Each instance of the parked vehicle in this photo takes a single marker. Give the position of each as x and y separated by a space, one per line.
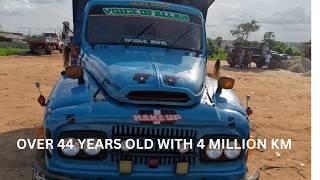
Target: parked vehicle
47 42
278 56
141 73
257 56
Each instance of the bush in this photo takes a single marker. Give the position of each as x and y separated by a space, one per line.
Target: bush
11 51
14 45
222 55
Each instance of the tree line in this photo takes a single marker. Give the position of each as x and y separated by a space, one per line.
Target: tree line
241 33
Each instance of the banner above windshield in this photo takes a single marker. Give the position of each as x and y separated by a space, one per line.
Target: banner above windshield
146 13
101 10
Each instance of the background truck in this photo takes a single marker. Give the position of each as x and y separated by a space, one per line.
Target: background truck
47 42
141 73
258 56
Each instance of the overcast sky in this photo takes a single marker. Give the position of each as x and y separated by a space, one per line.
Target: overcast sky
289 19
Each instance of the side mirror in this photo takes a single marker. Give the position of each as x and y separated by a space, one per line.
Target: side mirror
225 83
42 100
74 72
249 111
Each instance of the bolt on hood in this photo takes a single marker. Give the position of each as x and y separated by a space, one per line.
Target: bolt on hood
123 71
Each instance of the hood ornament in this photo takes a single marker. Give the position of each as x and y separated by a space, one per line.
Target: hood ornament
141 78
170 80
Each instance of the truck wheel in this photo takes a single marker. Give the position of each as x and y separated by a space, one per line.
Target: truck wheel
49 51
260 63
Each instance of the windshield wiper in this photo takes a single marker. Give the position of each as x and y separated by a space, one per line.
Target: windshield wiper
142 32
182 36
145 29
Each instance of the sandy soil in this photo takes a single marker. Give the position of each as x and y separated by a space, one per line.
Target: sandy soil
280 99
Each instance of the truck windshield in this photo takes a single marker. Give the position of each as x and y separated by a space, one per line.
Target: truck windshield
51 35
146 27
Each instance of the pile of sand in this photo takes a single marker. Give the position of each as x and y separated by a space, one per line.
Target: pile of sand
297 64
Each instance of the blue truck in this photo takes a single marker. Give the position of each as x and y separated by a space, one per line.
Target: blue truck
139 71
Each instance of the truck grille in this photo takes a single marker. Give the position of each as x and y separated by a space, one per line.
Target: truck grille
164 156
158 96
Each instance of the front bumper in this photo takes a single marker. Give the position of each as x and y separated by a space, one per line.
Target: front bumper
40 173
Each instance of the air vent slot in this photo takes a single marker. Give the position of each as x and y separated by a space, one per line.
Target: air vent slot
161 96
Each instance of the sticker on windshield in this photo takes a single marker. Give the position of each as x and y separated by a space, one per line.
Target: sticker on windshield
153 42
150 4
146 13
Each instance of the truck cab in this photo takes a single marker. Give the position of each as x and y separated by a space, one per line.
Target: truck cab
140 72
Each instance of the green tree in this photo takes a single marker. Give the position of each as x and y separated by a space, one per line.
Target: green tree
214 45
210 45
242 31
280 47
218 42
296 53
269 39
289 51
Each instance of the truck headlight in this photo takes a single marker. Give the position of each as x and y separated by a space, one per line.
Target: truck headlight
213 153
70 149
124 147
91 149
183 149
232 152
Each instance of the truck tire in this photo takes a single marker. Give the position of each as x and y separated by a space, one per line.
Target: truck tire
49 51
260 62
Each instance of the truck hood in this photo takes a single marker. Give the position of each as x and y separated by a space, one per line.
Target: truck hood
71 99
142 75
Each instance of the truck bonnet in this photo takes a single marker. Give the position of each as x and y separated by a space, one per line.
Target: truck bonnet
147 75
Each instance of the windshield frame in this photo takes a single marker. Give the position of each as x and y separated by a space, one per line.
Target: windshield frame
201 25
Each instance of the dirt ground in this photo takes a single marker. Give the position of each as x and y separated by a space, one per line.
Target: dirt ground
280 100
